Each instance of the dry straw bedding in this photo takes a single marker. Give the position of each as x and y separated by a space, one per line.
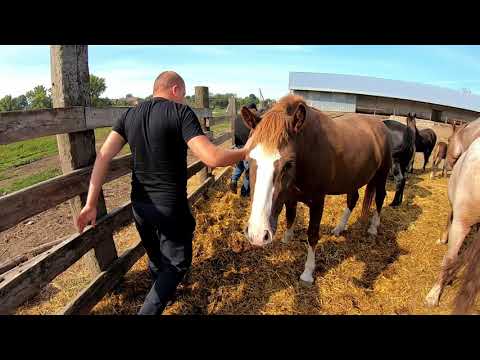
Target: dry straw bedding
354 275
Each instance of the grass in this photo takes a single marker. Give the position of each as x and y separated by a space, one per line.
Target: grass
29 181
25 152
219 112
29 151
221 127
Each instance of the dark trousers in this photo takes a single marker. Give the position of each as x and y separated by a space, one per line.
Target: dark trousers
167 234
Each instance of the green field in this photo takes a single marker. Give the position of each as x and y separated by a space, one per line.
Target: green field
25 152
23 182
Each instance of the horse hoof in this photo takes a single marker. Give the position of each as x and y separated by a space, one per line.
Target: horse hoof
306 279
337 231
307 284
441 241
433 297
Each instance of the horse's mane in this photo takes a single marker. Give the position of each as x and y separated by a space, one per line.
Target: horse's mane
272 131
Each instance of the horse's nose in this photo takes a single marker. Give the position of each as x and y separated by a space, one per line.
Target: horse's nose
267 236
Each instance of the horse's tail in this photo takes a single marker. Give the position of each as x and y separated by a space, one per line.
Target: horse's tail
471 278
368 198
436 152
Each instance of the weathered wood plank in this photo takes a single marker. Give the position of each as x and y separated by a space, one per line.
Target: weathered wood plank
30 201
222 138
24 125
105 117
71 87
103 283
219 119
27 279
232 112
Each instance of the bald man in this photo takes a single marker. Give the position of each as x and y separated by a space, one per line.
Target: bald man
159 132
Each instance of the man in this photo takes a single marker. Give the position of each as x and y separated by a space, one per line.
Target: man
241 136
158 132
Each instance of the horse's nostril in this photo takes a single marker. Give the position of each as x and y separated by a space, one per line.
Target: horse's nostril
266 236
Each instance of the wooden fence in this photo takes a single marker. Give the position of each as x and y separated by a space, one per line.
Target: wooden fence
23 280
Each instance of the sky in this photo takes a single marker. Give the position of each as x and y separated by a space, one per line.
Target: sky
244 69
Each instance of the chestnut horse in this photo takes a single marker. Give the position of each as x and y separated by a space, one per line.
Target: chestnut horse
460 140
439 154
300 154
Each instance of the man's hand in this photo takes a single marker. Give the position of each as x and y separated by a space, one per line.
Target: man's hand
87 215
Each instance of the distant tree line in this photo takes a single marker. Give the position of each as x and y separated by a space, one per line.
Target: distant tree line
41 98
221 100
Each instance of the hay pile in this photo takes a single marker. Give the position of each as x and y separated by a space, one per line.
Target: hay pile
391 275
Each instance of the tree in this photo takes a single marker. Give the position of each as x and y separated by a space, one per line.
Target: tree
38 98
21 102
97 88
7 103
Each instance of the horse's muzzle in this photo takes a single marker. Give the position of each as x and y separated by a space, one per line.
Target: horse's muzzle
262 239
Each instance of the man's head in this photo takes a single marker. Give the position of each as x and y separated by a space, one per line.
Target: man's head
171 86
252 106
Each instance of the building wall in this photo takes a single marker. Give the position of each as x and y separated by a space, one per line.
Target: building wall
400 107
327 101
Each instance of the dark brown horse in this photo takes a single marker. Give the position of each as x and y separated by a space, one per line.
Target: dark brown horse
403 152
460 140
300 154
439 154
425 141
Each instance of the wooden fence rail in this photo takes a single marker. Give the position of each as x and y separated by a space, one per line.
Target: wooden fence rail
23 125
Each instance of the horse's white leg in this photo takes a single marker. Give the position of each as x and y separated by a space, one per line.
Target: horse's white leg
342 225
375 222
307 275
456 236
316 211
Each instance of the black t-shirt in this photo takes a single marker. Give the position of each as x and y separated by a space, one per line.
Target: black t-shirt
241 132
157 131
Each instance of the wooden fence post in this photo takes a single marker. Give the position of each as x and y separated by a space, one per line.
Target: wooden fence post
70 87
202 101
232 112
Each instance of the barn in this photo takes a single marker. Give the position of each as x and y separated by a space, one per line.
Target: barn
363 94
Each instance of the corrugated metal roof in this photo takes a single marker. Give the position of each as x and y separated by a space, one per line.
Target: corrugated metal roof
365 85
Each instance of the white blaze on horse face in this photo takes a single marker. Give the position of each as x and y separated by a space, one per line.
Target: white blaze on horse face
259 221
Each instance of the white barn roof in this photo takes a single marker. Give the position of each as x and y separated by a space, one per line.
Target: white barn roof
365 85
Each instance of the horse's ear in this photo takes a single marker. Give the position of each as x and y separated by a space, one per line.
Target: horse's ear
250 119
298 118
